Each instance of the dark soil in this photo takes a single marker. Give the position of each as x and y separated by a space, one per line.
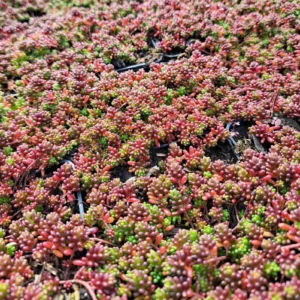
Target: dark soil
233 210
222 151
144 59
293 123
240 129
158 154
121 172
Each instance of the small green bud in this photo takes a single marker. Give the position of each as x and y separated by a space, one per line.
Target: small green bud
193 235
7 150
207 174
11 248
271 269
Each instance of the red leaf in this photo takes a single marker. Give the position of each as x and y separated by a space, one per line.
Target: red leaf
147 219
158 239
108 219
293 238
162 250
57 253
169 228
189 271
286 216
68 252
133 200
252 172
167 212
274 128
256 243
183 180
206 196
48 245
78 263
286 227
173 180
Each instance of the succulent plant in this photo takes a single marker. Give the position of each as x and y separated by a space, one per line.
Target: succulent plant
123 106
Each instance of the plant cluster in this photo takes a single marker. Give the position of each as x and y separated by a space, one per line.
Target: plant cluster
162 217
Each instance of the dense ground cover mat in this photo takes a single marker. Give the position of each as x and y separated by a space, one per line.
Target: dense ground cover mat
150 149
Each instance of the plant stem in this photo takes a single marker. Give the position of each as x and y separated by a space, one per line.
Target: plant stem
85 284
291 246
216 259
102 241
